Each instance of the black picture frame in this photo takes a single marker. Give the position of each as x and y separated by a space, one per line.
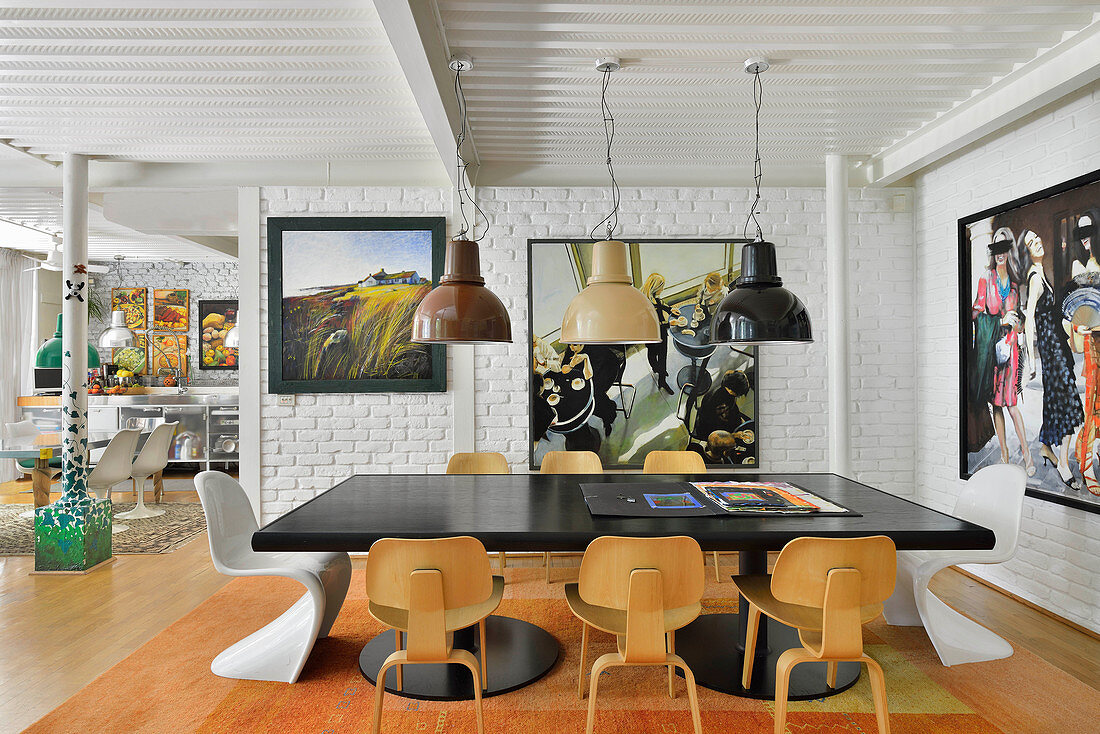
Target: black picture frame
965 335
206 307
276 227
732 242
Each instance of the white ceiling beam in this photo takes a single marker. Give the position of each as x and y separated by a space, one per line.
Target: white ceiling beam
1063 69
423 57
915 8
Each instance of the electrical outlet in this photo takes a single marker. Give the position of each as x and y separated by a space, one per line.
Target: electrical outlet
286 400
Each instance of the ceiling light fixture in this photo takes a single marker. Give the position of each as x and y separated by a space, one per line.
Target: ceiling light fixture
759 310
610 310
461 310
117 334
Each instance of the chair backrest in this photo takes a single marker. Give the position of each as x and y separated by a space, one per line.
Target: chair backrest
838 576
427 577
994 498
484 462
20 428
230 521
674 462
117 462
571 462
154 454
644 577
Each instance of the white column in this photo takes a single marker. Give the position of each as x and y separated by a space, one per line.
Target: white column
248 321
836 249
74 341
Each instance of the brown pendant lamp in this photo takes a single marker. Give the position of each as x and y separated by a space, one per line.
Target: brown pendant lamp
610 310
461 310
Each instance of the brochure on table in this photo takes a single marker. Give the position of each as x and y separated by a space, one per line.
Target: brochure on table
700 499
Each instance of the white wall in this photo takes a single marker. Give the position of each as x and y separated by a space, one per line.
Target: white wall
311 446
1058 563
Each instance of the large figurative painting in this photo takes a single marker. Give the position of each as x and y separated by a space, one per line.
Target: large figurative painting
341 295
1030 340
683 394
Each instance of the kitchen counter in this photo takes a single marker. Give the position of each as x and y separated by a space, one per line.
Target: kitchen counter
170 397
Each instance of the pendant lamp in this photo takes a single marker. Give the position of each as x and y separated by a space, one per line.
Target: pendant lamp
461 310
610 310
117 334
759 310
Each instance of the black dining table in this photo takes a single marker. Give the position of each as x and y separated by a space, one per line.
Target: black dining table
547 512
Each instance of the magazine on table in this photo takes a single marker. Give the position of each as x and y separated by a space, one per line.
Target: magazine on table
776 497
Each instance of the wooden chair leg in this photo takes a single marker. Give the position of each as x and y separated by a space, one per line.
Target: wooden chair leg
465 658
584 651
400 672
751 630
158 486
830 674
602 662
693 697
481 653
878 691
379 692
783 667
717 572
671 646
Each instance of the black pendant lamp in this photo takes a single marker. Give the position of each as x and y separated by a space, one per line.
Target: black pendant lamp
759 310
461 310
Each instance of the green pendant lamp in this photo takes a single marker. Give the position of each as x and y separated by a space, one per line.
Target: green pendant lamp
49 354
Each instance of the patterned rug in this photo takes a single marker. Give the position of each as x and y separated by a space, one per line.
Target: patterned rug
167 686
180 522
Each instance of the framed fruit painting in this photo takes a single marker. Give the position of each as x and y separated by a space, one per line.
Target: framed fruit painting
171 309
134 303
134 359
216 318
167 352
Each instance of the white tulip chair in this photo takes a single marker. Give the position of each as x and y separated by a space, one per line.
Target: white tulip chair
152 459
114 467
279 651
993 498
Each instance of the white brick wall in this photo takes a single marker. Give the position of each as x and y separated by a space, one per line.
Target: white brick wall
325 438
1057 565
793 381
206 281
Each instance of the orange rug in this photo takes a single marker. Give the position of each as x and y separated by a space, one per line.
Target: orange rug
167 686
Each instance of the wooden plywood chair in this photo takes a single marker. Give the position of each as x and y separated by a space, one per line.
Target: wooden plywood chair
425 590
641 590
678 462
827 588
480 462
568 462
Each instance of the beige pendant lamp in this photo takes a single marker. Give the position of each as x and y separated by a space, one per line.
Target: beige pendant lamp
610 310
461 310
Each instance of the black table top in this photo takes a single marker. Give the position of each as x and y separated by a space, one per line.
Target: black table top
547 512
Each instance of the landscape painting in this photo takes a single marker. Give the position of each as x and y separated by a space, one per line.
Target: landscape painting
342 292
134 303
171 309
1029 279
216 318
623 401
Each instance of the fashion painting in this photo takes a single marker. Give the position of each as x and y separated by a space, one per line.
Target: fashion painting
1030 341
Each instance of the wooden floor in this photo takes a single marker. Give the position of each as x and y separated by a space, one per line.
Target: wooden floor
58 633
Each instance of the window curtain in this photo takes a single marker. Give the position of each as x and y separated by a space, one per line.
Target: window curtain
18 339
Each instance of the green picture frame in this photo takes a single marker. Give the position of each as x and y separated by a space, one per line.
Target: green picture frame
299 359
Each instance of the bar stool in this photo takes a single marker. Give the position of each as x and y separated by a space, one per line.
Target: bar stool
480 462
568 462
425 590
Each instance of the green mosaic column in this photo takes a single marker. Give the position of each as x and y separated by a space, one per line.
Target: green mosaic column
74 533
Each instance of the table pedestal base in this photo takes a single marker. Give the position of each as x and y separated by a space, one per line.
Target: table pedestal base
709 646
519 653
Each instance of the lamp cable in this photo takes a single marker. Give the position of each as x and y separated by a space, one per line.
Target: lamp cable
461 164
611 221
758 168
